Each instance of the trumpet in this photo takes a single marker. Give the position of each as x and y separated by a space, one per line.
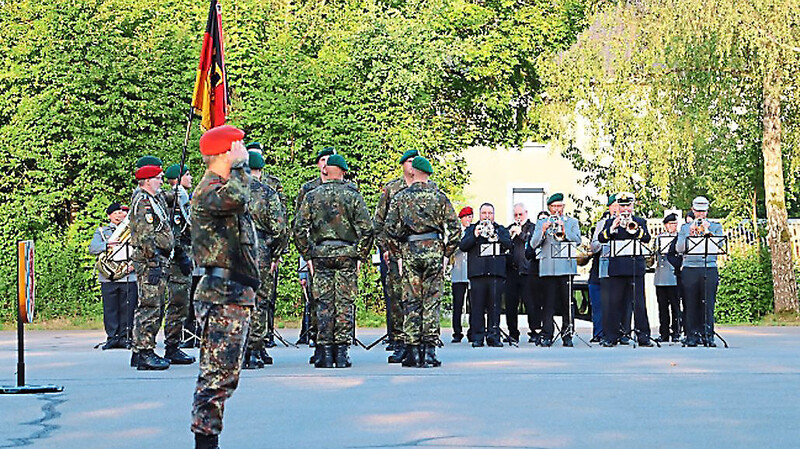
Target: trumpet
627 222
556 228
701 227
486 230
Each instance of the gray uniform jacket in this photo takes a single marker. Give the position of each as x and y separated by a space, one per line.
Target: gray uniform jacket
665 272
548 266
690 261
603 248
99 245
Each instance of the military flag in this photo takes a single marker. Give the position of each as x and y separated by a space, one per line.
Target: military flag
210 100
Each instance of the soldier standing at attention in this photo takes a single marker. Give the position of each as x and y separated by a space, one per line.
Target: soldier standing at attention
393 292
224 246
424 230
152 242
333 232
270 220
179 275
311 307
268 178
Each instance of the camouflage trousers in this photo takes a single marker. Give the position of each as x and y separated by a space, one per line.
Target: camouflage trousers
259 329
422 296
335 288
313 324
147 317
394 300
223 310
177 309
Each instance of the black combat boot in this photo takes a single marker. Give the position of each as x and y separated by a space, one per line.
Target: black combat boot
317 354
252 360
325 359
149 360
399 353
342 359
413 357
430 356
392 345
202 441
177 357
264 356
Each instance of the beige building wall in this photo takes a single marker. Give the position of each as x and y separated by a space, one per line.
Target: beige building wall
496 173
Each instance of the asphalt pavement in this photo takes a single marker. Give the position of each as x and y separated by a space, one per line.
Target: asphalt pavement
527 397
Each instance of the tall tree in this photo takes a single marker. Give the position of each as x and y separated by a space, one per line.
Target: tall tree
679 80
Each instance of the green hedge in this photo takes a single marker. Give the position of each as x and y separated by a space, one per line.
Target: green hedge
745 287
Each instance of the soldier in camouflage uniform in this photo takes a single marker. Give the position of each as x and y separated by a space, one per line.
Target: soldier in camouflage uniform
333 231
152 242
423 228
393 293
224 245
311 331
270 220
179 275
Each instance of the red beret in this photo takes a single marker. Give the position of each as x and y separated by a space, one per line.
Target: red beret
148 171
218 140
464 212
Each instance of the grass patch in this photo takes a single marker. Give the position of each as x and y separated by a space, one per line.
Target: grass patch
781 319
59 324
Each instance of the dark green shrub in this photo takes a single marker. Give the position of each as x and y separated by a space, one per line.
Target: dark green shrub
745 287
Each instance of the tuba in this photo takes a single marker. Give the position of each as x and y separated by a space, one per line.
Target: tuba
113 263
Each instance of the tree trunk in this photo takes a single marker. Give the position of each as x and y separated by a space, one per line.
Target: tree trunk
778 239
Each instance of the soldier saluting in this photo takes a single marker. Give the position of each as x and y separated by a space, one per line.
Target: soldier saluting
424 230
224 245
333 232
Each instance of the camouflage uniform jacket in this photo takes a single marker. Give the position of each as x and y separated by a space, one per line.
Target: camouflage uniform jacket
422 208
151 235
333 221
391 189
269 217
223 233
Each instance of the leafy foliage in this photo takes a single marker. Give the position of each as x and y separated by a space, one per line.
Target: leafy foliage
90 87
745 287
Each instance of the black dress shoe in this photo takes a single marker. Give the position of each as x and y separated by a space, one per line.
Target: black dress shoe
567 341
545 342
134 359
646 343
457 338
711 344
534 339
607 344
149 360
625 340
676 338
477 343
177 357
596 339
661 339
111 343
494 343
690 342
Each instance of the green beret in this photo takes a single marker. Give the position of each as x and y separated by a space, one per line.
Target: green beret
408 154
148 160
172 171
254 146
556 197
612 199
327 151
422 164
337 160
256 161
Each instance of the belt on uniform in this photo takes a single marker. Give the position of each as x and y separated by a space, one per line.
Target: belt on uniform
224 273
334 243
425 236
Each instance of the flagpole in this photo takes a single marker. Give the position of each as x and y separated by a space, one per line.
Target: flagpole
189 117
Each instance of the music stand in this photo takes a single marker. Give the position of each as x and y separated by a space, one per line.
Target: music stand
570 251
632 248
707 245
